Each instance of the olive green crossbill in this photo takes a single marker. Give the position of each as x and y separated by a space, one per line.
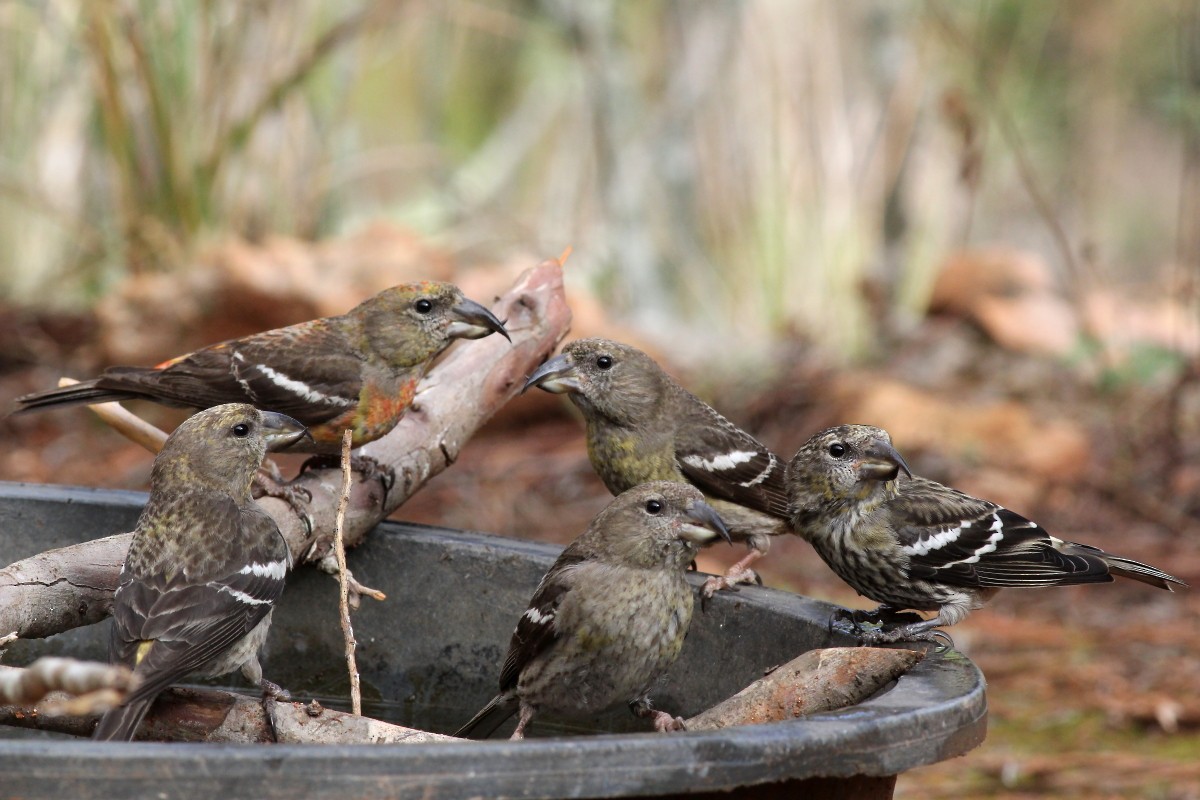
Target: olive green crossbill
611 614
206 565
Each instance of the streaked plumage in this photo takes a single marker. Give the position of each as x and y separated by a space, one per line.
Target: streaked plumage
206 564
643 426
358 370
610 616
911 543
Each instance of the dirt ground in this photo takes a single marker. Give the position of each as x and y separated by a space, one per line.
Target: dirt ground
1092 690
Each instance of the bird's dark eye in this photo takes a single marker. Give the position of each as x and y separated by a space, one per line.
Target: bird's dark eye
653 507
241 430
423 306
837 449
604 362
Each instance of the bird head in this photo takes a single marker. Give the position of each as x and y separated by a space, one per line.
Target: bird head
607 378
411 323
223 446
849 462
657 525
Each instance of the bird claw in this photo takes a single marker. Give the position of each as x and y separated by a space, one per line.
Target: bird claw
888 626
663 722
729 581
913 632
273 691
666 723
366 466
374 468
941 639
846 621
296 497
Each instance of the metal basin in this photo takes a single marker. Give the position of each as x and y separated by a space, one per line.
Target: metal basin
430 657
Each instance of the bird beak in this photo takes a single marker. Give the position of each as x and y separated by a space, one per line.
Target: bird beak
557 376
474 322
705 525
281 431
881 462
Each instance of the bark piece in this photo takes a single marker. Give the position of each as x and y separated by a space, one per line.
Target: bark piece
819 680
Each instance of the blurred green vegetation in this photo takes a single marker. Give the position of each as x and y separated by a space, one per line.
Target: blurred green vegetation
734 169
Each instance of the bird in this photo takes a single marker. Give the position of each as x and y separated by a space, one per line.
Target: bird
358 370
610 615
643 426
206 564
908 542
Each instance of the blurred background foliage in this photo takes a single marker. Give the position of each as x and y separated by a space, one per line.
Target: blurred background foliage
734 170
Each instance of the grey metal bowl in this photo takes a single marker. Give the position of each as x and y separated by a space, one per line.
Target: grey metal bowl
429 657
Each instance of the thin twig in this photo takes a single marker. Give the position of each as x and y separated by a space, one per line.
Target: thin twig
329 565
126 423
339 547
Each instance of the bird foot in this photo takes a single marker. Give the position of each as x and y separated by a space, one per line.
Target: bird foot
369 468
666 723
848 622
297 497
888 626
663 722
912 632
730 581
273 691
852 621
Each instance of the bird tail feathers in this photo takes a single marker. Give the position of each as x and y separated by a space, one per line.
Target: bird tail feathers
1127 567
75 394
489 718
120 724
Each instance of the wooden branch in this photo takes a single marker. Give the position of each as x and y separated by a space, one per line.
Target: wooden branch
819 680
63 589
297 723
211 715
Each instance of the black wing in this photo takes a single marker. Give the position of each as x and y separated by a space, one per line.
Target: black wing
536 631
953 538
724 461
189 623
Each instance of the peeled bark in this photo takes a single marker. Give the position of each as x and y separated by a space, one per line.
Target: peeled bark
819 680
